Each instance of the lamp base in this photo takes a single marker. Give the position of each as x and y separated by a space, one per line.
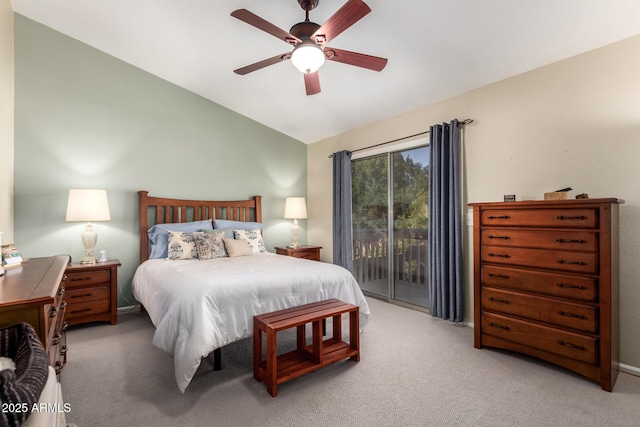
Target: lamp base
88 260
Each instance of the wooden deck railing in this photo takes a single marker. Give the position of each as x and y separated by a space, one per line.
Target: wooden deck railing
371 255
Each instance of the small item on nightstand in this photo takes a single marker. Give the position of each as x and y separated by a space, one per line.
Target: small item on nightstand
582 196
509 197
103 256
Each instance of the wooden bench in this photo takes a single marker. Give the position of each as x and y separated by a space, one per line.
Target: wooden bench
305 358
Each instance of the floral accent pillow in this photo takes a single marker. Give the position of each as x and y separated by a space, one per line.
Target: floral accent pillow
182 245
253 237
210 245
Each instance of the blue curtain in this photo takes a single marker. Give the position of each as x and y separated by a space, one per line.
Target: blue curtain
445 223
342 229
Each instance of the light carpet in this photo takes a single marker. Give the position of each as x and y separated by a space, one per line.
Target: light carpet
414 371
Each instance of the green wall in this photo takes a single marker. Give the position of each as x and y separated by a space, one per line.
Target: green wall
84 119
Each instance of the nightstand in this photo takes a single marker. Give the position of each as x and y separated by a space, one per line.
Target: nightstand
304 251
92 292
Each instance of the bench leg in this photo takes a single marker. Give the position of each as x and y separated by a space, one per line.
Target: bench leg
271 377
257 351
354 333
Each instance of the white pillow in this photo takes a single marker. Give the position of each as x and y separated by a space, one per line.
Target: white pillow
254 237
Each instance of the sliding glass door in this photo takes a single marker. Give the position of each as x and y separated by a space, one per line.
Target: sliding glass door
390 212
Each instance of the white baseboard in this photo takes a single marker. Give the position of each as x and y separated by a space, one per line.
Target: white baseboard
633 370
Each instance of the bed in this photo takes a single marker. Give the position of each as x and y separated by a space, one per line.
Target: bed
200 305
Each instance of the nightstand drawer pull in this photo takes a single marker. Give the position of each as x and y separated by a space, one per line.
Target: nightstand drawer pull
503 301
502 255
79 279
568 344
499 276
81 311
496 325
577 316
565 285
88 294
561 217
562 261
571 241
499 237
499 217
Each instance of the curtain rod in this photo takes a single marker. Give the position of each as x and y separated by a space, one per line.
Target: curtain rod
464 122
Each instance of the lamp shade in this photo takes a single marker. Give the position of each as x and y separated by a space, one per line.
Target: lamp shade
295 208
88 205
307 58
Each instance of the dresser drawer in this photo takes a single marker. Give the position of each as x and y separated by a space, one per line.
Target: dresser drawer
581 262
564 314
82 278
88 308
583 241
75 296
559 285
567 218
568 344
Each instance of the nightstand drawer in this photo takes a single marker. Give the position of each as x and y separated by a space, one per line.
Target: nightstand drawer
308 254
75 296
88 308
81 278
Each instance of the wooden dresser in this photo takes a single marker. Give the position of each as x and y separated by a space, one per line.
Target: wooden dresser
34 293
92 292
546 282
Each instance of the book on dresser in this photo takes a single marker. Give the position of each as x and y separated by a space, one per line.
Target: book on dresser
546 282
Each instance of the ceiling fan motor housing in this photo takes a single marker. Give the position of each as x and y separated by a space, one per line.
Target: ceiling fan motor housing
304 30
308 4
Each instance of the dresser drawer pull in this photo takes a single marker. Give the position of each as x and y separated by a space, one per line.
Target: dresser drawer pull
80 311
568 344
500 237
80 279
499 217
562 261
495 325
561 217
577 316
570 241
500 276
53 311
502 255
88 294
565 285
503 301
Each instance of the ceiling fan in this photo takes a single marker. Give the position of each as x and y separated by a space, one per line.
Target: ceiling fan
309 40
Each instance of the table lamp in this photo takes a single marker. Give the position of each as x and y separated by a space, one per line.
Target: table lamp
88 205
295 208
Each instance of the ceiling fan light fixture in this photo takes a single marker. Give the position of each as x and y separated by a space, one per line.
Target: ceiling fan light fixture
308 58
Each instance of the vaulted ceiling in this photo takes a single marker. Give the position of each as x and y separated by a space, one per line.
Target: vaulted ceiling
436 49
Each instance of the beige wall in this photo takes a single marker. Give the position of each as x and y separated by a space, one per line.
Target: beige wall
572 123
6 121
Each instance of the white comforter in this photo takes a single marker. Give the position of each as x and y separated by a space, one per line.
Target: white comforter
198 306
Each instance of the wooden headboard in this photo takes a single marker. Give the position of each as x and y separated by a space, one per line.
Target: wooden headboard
159 210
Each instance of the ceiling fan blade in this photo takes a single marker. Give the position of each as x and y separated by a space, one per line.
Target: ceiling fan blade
312 83
266 26
261 64
346 16
358 59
